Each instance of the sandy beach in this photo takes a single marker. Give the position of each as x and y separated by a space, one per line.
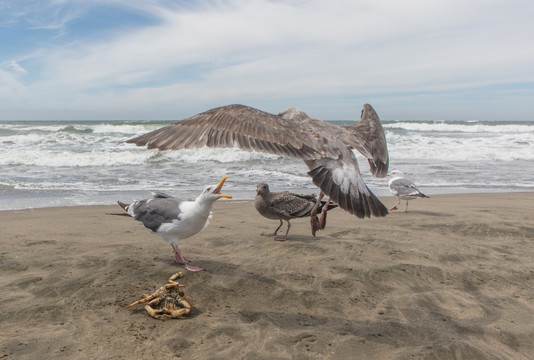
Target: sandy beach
451 279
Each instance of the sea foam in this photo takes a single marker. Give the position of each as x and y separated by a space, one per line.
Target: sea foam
76 163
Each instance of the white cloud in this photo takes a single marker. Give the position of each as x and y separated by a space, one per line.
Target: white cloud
255 50
8 84
14 66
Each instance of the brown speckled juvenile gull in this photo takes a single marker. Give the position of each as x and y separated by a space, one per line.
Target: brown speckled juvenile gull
325 148
286 206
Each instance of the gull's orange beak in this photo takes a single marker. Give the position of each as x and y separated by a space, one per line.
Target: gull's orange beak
219 187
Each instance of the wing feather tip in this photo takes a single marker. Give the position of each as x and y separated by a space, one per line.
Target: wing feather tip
358 204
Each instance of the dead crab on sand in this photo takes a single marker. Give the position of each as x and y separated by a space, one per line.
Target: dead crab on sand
169 300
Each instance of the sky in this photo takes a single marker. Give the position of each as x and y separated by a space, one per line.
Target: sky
168 60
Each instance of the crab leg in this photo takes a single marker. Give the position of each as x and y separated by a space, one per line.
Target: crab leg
173 285
176 313
185 304
158 292
153 312
175 276
147 297
180 312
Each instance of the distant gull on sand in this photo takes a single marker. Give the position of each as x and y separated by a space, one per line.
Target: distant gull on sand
287 206
326 148
174 219
403 188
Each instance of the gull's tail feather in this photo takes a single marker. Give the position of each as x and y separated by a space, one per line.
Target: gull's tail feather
123 205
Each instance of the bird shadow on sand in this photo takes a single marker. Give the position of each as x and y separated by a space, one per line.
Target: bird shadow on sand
296 238
420 212
219 268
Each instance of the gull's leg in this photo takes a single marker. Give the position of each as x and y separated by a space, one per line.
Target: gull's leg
395 206
284 238
178 257
275 232
406 206
322 221
315 223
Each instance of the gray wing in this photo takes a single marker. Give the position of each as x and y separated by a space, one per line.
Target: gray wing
370 141
339 176
341 180
403 187
156 211
291 205
242 126
161 195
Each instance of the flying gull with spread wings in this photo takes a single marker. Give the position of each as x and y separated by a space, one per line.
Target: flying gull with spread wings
325 148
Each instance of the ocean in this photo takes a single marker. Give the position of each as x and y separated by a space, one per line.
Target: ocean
62 163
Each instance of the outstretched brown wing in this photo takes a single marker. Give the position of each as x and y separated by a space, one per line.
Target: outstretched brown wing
371 141
237 125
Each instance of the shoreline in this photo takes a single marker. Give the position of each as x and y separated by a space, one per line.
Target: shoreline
453 277
250 197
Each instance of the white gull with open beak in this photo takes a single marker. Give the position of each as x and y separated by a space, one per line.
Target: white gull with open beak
174 219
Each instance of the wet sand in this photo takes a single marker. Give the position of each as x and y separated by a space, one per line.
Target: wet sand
451 279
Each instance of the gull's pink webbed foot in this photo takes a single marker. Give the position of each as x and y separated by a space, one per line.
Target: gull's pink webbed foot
193 268
275 232
180 259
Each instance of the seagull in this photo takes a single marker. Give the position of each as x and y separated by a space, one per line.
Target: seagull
326 148
403 188
174 219
286 206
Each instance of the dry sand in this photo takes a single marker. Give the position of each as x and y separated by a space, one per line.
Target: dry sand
451 279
